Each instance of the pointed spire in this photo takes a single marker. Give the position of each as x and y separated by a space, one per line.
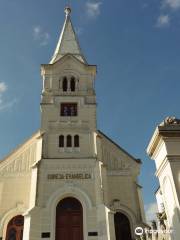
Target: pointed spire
68 42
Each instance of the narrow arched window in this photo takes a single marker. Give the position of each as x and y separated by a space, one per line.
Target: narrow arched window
61 141
69 141
65 84
76 141
73 84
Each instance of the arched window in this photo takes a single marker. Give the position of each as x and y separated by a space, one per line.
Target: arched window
65 84
61 141
76 141
73 84
69 141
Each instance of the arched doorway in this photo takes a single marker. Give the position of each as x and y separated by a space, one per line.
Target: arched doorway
69 220
15 228
122 227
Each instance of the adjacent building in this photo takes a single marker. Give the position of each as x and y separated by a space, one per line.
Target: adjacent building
164 148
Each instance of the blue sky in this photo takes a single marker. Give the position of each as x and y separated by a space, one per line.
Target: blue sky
135 45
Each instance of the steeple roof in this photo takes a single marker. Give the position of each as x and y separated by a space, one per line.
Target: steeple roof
68 42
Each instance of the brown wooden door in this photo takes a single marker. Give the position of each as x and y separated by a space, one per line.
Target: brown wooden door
15 228
122 227
69 220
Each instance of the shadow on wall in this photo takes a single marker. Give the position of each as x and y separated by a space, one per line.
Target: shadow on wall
176 224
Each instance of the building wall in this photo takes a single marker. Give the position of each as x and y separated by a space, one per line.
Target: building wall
122 177
167 173
51 191
16 191
164 149
160 202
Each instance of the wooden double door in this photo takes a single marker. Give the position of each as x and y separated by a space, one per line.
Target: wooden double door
15 228
69 220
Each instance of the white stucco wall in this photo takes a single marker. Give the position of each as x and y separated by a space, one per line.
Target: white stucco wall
16 181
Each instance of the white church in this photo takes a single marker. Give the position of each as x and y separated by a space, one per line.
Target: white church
69 181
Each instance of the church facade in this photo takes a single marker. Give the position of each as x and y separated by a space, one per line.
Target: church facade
69 181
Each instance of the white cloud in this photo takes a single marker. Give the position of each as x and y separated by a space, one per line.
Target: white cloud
163 20
3 87
151 210
93 8
5 105
41 36
174 4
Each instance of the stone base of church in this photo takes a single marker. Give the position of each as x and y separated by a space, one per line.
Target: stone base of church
98 224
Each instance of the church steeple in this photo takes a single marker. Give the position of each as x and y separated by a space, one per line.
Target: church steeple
68 102
68 42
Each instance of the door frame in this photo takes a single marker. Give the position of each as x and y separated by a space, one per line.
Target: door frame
129 213
59 195
80 212
130 225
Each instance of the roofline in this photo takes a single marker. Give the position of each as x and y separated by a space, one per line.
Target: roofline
61 38
152 142
138 185
159 188
69 54
35 135
135 159
160 132
77 40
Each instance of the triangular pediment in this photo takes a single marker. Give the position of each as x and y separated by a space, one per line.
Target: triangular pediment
69 58
115 158
69 62
21 160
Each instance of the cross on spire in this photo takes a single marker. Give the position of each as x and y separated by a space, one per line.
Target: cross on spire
67 11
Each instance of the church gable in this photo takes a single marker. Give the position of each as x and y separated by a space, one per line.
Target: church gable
115 158
21 160
69 61
67 68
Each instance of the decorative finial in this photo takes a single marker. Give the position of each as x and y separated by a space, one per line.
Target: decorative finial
67 11
170 121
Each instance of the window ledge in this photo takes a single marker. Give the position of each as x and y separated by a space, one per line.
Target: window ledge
77 149
69 149
61 149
